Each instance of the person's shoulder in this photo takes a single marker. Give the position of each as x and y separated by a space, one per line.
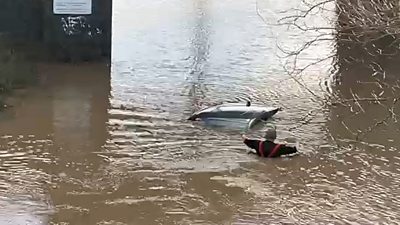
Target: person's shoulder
252 143
248 140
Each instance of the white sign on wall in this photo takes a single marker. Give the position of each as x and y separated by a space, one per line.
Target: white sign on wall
74 7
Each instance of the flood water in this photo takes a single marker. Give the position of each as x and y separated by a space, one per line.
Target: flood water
93 144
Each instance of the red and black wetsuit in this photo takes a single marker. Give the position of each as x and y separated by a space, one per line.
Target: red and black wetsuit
269 148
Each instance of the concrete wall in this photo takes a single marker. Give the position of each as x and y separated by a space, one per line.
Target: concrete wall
33 21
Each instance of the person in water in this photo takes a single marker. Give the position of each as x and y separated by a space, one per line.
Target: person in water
267 147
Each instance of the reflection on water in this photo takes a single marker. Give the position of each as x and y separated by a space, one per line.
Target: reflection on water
49 138
88 148
200 53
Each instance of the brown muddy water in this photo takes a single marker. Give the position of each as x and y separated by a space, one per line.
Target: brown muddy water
93 146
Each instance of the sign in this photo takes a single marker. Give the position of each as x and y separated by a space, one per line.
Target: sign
74 7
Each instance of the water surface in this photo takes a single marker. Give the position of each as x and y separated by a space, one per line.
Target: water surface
93 146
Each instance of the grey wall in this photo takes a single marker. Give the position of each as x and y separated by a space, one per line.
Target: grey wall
34 21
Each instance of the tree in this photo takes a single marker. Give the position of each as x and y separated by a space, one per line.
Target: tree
364 36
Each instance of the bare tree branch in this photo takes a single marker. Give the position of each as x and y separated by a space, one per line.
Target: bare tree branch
360 24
